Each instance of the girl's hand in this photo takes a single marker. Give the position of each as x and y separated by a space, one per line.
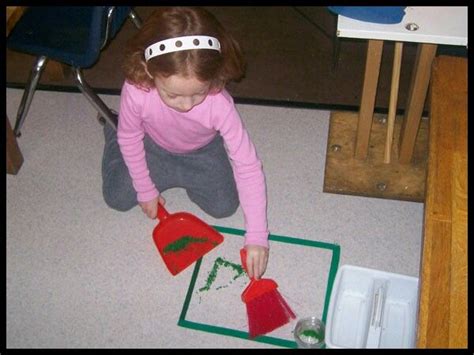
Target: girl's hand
257 258
150 208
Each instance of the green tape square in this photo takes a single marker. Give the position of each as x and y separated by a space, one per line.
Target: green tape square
235 284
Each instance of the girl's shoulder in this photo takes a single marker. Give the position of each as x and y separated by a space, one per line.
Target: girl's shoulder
222 98
136 94
135 89
135 98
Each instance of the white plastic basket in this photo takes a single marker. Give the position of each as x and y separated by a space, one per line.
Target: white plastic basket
372 309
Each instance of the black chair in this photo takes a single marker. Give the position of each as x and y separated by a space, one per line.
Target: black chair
71 35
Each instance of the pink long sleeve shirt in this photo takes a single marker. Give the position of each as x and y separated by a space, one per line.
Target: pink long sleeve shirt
144 112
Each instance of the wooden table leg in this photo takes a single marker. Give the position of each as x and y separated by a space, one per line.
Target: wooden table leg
366 112
392 107
14 156
416 100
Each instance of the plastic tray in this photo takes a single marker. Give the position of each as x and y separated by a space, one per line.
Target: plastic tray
372 309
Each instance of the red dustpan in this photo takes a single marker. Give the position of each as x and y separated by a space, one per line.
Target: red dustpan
182 238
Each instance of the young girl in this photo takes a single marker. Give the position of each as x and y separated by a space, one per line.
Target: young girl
178 127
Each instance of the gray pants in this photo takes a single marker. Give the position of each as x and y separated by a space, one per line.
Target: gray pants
205 174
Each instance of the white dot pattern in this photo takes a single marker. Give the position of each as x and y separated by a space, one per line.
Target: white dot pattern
180 44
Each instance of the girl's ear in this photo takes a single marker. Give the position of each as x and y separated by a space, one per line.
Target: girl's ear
146 69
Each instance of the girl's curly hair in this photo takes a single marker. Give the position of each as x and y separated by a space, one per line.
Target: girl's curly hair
206 65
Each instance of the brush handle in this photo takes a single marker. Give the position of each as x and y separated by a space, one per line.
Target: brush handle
255 288
243 260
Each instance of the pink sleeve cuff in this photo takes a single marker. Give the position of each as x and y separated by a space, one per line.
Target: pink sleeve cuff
257 238
147 196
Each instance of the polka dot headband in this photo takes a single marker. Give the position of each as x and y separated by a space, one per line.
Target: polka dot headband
181 44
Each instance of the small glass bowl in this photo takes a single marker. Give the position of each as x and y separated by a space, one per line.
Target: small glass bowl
309 333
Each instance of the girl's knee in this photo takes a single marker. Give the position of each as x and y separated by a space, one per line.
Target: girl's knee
118 202
224 210
118 194
219 207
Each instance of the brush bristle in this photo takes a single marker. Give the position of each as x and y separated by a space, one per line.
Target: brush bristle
267 313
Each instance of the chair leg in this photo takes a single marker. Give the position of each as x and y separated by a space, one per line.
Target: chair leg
94 99
135 19
28 93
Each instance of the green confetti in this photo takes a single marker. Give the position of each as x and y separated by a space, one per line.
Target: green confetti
310 333
310 336
182 243
218 263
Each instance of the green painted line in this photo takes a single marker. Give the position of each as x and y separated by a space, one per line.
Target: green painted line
229 230
281 238
331 277
235 333
189 294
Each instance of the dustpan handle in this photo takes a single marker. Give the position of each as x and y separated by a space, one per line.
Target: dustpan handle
162 213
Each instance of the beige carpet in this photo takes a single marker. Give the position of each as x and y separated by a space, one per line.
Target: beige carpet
80 275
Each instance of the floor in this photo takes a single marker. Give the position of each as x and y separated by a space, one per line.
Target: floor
80 275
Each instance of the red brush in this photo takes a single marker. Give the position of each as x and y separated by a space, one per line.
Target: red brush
267 310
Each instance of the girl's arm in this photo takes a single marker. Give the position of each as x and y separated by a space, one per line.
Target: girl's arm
249 176
130 136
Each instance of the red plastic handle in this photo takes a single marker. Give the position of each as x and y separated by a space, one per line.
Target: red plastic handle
243 258
255 288
162 213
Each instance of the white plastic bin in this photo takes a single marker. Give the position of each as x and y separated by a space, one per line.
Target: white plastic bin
372 309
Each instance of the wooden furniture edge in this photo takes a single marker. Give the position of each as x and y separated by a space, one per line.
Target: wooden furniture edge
442 317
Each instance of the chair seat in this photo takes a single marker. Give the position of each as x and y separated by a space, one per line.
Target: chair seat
61 33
